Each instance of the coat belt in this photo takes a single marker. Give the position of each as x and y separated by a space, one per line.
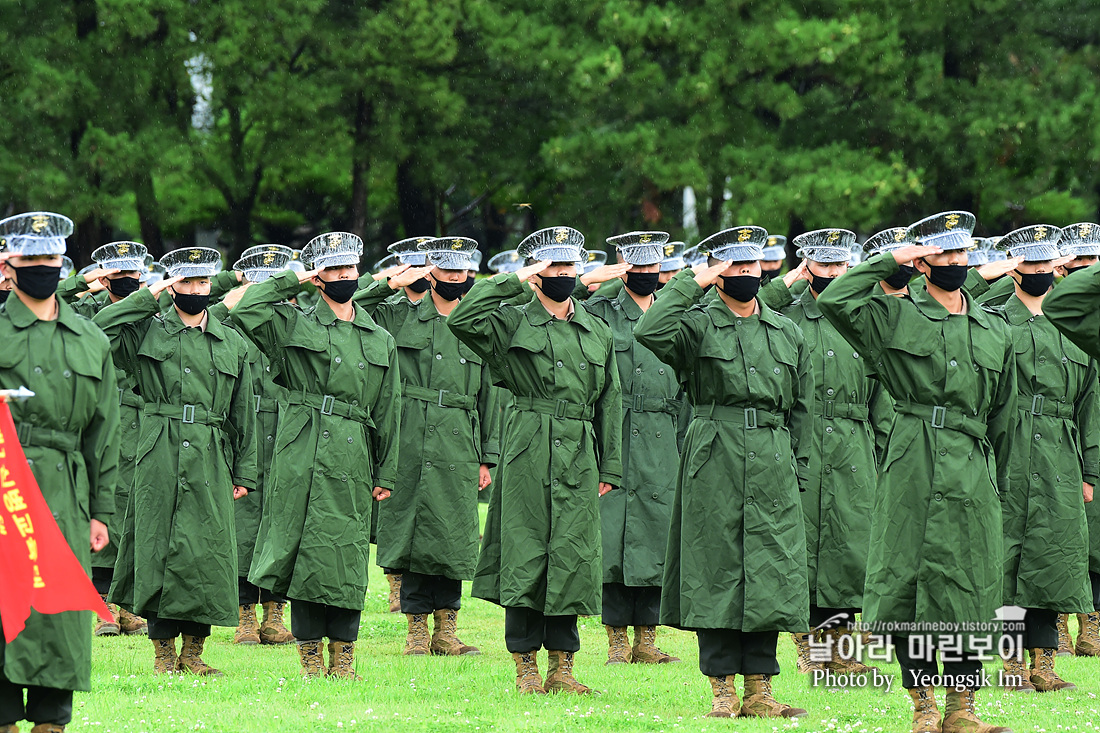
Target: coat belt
562 409
265 404
127 398
941 417
441 397
185 413
60 440
329 405
851 410
641 403
1039 405
748 417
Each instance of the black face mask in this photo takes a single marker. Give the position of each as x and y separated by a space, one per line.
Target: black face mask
420 286
4 296
449 291
1070 270
660 284
767 275
469 284
37 281
947 277
123 286
190 304
818 284
643 283
339 291
1036 284
902 277
558 288
741 288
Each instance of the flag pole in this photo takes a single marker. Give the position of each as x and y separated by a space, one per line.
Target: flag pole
15 395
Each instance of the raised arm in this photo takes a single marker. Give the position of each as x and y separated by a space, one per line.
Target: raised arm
663 329
262 314
1073 307
481 323
126 323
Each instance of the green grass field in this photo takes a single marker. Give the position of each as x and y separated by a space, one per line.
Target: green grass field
261 690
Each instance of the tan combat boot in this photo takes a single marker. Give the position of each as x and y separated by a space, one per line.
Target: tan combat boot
759 702
248 632
418 640
445 641
107 628
9 729
645 649
725 703
164 656
1042 672
273 630
805 664
1065 641
131 624
1088 635
1016 676
839 664
395 592
960 716
190 659
559 674
926 716
528 679
341 660
312 658
618 645
46 728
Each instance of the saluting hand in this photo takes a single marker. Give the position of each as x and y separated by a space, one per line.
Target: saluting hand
379 493
307 276
603 273
994 270
798 273
408 276
234 296
483 477
389 272
1059 264
524 273
93 275
161 285
914 252
239 492
707 275
99 537
605 488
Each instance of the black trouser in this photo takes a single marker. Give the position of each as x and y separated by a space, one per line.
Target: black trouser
726 651
315 621
629 605
247 593
1040 629
821 614
427 593
917 667
170 628
44 704
528 630
1095 578
101 579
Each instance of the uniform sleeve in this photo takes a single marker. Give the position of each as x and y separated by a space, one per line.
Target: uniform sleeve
100 445
801 417
997 294
882 419
71 287
386 414
663 329
126 323
373 295
242 414
481 323
262 313
776 295
975 285
222 283
486 406
1073 306
852 303
608 422
1003 414
1088 425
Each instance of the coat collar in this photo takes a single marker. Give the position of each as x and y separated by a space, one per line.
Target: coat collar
173 324
324 315
1016 312
537 315
627 304
809 305
931 308
21 316
721 315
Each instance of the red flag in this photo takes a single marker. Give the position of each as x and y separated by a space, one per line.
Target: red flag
37 567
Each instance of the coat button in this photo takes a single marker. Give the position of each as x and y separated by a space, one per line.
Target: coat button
451 467
211 372
776 370
828 468
855 354
38 370
454 431
634 432
349 440
431 428
830 391
324 434
267 368
752 455
1034 477
1064 360
829 429
186 444
630 493
752 370
270 438
775 502
854 469
559 364
749 500
661 371
1038 436
829 352
943 451
583 365
953 363
355 403
939 496
133 425
338 360
966 502
344 478
187 370
557 443
61 467
555 482
427 464
656 495
440 356
777 456
362 365
66 374
658 435
461 360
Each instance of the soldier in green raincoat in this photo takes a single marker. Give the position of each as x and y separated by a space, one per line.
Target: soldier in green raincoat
177 555
560 449
1054 464
936 527
634 521
735 568
69 432
336 447
775 253
428 530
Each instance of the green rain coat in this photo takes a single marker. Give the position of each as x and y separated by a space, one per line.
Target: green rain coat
634 519
561 438
1055 447
736 554
936 551
69 432
841 475
177 556
337 439
430 524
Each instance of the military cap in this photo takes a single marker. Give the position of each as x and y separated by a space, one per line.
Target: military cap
556 244
595 258
386 263
738 244
333 249
296 264
950 230
507 261
475 258
153 273
992 252
856 256
886 241
978 254
261 262
776 248
88 268
409 252
673 257
1080 240
1036 243
192 262
36 233
67 267
693 256
826 245
125 256
450 253
640 248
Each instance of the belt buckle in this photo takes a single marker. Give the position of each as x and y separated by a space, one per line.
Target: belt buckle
1037 404
829 409
188 414
441 393
257 398
639 403
327 403
560 410
120 396
750 418
939 416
